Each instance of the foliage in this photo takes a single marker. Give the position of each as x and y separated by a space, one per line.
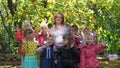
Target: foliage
101 16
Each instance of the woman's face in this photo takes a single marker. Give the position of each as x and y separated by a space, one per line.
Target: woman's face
58 19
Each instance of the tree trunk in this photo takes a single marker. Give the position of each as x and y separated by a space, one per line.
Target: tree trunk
11 7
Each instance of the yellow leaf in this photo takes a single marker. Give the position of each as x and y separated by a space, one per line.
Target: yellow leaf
44 20
91 27
79 25
65 14
48 13
92 20
74 1
10 21
98 30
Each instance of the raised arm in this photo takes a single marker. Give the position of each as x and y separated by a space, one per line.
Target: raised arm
100 48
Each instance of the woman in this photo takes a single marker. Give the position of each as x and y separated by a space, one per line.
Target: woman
58 31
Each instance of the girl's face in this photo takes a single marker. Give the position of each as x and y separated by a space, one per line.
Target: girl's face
26 27
86 31
17 29
58 19
72 31
31 36
50 41
89 40
44 29
65 41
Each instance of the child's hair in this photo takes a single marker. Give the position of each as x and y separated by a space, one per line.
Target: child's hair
90 34
69 37
49 36
27 32
86 28
75 28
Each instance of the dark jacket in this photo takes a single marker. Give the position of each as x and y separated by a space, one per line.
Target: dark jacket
68 55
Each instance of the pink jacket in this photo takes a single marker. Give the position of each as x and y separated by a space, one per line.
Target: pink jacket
88 55
41 39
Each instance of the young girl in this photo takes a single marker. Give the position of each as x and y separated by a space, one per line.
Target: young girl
42 36
89 53
68 52
46 60
19 36
29 47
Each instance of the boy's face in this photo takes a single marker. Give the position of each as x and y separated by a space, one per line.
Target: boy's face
50 41
65 41
72 31
90 39
44 29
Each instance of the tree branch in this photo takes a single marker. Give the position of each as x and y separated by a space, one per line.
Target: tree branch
3 21
11 7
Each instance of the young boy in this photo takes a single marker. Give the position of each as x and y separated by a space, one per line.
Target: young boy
77 40
68 52
77 37
47 54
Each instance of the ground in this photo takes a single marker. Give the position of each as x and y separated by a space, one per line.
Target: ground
104 63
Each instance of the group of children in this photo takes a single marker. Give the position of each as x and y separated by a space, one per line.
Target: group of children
77 51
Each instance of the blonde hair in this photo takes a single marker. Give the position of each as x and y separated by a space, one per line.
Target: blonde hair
27 32
27 23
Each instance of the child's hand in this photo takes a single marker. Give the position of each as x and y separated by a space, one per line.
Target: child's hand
103 43
43 46
56 61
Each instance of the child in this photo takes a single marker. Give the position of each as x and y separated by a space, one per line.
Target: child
19 36
42 36
77 40
46 60
29 47
68 52
89 53
77 37
86 31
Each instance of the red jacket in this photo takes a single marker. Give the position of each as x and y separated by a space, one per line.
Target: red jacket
19 37
88 55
